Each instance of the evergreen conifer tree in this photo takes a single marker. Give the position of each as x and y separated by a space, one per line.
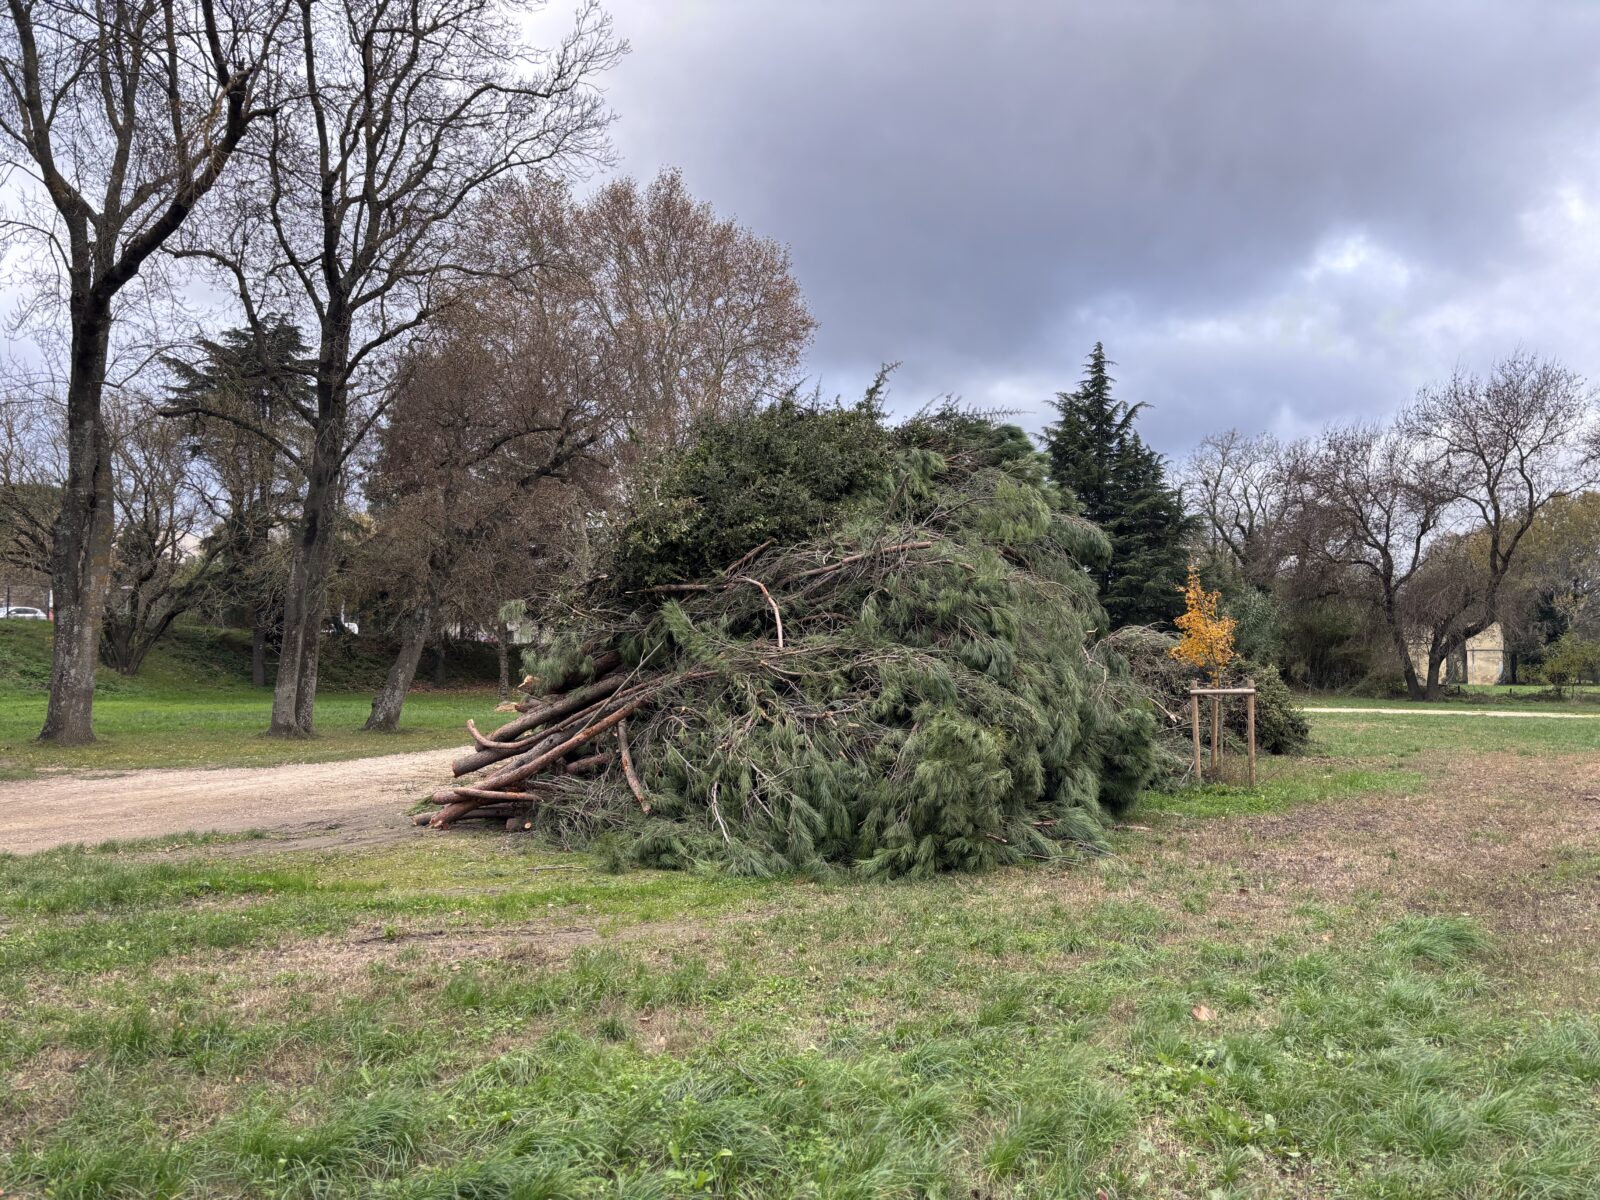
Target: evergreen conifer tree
1121 485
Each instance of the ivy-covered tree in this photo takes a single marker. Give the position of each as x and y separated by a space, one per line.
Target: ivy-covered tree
1121 485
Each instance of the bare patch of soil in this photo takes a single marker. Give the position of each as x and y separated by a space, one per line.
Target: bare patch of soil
308 805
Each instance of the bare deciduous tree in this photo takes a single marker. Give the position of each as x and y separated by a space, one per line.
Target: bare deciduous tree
1508 444
1237 484
32 465
1427 518
120 116
646 312
360 218
491 457
1366 507
701 315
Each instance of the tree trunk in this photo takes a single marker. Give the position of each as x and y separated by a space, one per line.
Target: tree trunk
81 559
1437 656
305 598
386 705
502 655
258 651
1414 689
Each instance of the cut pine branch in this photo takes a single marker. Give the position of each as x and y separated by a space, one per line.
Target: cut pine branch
500 781
628 773
565 705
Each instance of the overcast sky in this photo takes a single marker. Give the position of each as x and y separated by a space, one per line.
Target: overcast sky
1272 213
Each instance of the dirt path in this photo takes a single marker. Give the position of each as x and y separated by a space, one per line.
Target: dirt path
344 803
1457 712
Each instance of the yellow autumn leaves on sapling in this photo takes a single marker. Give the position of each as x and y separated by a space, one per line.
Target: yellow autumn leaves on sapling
1207 641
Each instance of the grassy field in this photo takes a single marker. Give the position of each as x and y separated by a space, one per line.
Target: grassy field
1374 976
192 705
1516 698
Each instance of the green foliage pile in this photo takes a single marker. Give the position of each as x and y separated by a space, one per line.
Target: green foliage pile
935 704
1281 728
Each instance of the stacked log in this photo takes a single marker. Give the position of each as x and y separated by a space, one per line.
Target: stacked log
564 733
571 729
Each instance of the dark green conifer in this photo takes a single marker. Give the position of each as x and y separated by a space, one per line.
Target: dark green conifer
1120 485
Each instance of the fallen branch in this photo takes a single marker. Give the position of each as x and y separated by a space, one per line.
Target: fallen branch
716 811
748 557
570 703
466 800
495 794
851 558
628 773
776 614
582 766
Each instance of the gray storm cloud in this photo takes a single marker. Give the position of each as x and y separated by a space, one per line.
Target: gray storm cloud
1272 214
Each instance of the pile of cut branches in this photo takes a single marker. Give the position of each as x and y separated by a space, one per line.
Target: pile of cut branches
891 670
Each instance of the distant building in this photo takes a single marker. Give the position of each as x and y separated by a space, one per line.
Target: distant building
1481 661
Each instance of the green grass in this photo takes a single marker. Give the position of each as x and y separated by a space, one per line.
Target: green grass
1283 784
1395 739
224 729
934 1039
1520 697
449 1017
192 705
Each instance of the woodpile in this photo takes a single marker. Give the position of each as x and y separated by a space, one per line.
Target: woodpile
575 730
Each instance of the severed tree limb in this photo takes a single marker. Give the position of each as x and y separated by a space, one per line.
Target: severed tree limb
534 746
483 758
483 742
564 706
582 766
628 773
497 750
484 812
748 557
492 794
777 615
672 587
505 778
716 811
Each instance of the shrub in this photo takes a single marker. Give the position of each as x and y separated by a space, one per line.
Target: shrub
1570 659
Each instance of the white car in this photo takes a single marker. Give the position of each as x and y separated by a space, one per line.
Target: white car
18 612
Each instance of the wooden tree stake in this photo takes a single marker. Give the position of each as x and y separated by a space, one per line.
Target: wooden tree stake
1250 727
1194 720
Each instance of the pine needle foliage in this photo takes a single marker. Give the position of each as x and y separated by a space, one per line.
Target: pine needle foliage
934 705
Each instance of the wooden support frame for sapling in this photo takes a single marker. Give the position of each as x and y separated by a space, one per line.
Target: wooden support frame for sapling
1215 694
